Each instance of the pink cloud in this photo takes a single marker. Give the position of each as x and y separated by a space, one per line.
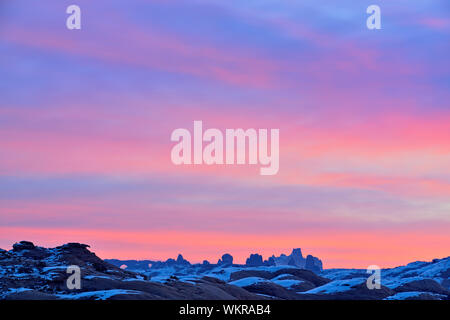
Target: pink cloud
435 23
154 51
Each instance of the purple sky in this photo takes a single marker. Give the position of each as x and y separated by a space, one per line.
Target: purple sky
364 118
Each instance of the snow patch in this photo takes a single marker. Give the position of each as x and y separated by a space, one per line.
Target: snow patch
248 281
97 295
337 286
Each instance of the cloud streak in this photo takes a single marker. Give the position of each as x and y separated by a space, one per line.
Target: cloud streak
86 117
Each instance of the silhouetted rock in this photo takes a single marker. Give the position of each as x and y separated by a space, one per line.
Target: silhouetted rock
292 262
181 261
269 262
297 256
227 259
73 245
254 260
132 265
296 259
23 245
312 264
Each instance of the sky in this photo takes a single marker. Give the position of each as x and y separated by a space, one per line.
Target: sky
364 117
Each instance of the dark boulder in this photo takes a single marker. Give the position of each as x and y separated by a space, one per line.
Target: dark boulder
227 259
23 245
425 285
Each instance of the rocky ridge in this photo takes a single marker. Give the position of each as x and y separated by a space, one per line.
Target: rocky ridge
32 272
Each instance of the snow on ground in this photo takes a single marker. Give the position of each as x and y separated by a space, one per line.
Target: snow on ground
395 277
430 270
45 269
393 283
410 294
434 270
337 286
287 283
12 291
224 273
90 277
283 276
247 281
160 279
339 274
97 295
134 279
